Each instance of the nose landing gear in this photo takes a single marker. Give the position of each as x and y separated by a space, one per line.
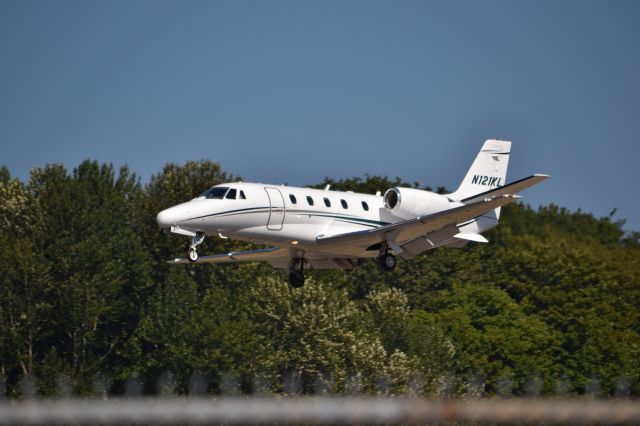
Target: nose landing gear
296 272
192 252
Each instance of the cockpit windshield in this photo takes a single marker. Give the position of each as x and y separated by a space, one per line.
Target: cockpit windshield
217 192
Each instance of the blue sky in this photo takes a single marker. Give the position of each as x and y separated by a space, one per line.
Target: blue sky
280 91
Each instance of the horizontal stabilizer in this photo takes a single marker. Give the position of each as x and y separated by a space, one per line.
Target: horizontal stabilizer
478 238
510 188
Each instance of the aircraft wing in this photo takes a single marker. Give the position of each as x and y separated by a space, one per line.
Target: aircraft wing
278 257
405 231
267 254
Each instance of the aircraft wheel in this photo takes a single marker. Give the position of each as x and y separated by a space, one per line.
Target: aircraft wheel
296 279
192 254
387 262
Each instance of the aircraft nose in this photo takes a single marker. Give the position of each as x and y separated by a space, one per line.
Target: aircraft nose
167 218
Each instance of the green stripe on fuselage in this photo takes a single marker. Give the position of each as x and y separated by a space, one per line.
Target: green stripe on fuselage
344 218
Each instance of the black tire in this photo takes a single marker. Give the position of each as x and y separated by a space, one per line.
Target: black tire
298 265
296 279
387 262
192 255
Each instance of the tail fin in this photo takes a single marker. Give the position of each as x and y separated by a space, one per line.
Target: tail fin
488 171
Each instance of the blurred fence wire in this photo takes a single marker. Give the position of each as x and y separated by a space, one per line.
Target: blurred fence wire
199 398
319 410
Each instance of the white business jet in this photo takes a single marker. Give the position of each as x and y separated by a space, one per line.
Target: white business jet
322 229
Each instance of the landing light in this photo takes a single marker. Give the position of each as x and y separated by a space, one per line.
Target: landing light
294 242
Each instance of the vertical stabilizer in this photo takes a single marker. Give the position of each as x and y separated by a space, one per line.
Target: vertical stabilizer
488 171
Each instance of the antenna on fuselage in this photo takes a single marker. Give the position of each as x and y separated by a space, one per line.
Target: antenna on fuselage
326 188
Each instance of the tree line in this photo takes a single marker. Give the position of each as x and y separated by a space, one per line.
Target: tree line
549 306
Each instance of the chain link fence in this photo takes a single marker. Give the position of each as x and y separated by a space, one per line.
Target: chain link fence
202 400
319 410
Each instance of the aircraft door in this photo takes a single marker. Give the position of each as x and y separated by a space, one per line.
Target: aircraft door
276 209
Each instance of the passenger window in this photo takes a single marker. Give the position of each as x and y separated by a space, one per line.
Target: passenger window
309 200
242 195
231 195
365 206
344 204
327 202
293 199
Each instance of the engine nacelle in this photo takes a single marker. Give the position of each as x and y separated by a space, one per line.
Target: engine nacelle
409 203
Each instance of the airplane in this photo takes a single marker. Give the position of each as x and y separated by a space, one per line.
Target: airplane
323 229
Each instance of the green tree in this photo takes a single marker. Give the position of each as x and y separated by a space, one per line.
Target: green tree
99 271
588 293
85 288
317 333
25 288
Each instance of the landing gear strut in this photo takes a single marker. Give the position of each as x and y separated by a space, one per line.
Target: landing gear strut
296 272
192 252
386 260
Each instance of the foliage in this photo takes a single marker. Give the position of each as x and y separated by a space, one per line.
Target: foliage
550 305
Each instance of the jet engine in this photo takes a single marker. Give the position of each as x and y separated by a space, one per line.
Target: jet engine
409 203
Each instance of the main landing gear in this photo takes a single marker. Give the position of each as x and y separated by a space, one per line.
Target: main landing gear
296 272
192 252
386 260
